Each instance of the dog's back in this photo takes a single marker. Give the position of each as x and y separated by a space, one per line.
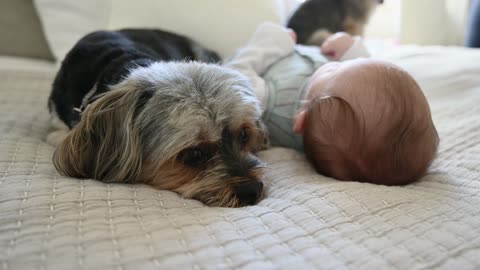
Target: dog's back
103 58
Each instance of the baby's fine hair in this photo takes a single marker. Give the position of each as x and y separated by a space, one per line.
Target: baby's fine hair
389 140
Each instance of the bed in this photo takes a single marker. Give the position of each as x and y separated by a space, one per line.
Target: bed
306 221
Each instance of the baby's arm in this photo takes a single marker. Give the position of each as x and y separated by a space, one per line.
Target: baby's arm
341 47
268 44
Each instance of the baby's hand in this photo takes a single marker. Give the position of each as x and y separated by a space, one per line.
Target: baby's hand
337 45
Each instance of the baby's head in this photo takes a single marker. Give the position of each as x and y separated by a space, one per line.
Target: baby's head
367 121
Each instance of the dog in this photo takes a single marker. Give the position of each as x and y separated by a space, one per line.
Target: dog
315 20
141 108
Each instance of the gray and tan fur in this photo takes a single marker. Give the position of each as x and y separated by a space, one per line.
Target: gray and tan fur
189 127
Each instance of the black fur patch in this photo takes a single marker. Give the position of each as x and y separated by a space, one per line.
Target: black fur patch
328 15
104 58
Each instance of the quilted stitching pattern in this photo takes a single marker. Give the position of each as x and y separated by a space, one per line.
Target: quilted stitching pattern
306 221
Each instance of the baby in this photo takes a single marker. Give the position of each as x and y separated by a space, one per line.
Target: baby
358 119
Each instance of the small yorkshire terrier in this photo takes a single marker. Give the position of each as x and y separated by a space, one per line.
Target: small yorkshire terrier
315 20
188 127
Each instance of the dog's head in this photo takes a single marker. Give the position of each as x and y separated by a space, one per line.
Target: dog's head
187 127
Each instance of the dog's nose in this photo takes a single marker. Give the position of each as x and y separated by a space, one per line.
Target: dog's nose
248 193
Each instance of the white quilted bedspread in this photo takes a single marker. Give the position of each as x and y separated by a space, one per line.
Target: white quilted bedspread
307 221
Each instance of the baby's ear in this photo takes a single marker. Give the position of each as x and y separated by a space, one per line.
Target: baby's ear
299 122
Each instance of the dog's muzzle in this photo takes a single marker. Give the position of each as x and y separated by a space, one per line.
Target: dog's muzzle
249 193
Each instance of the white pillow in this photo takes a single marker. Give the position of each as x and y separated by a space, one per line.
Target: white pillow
66 21
221 25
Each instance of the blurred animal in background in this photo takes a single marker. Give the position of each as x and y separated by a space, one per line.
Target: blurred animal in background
315 20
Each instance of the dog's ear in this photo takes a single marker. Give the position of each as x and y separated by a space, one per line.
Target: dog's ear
105 145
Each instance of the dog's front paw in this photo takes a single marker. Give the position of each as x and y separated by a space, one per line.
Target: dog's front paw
56 137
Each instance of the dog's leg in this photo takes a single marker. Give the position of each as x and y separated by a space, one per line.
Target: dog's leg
353 26
318 37
58 131
55 137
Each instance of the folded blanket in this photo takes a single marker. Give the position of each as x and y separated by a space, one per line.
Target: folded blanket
306 221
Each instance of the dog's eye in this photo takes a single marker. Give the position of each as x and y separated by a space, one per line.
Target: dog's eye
194 157
244 136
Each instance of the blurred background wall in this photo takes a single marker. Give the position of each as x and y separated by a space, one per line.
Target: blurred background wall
423 22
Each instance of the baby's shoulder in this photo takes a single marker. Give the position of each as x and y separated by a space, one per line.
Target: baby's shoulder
311 52
304 61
